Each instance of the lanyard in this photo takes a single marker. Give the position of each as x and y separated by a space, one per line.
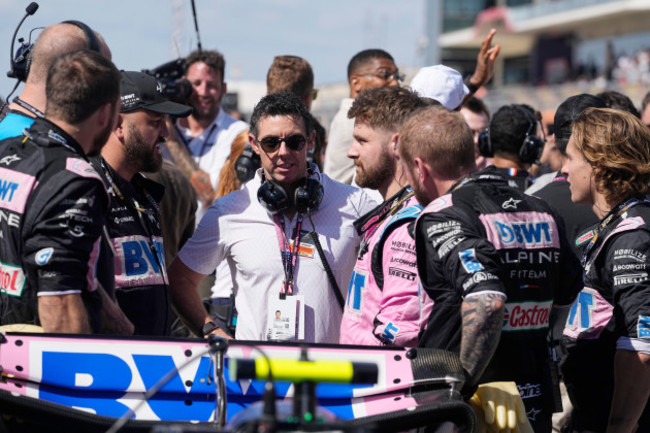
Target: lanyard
35 111
205 140
288 252
139 210
371 227
613 215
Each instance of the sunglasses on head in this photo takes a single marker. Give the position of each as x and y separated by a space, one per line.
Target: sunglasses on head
293 142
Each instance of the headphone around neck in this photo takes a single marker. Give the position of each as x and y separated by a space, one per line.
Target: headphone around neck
23 60
529 151
307 196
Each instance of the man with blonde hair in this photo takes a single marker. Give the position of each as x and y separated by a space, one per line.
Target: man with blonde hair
493 260
607 335
291 74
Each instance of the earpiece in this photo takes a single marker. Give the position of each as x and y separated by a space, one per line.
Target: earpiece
20 64
484 143
529 151
23 60
273 197
247 164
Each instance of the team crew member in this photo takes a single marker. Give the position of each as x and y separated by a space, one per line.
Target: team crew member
133 222
607 335
383 304
267 233
493 260
53 202
53 42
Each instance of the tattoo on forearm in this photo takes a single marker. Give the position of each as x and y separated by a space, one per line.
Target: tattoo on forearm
482 321
199 179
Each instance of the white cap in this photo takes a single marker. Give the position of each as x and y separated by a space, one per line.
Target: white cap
441 83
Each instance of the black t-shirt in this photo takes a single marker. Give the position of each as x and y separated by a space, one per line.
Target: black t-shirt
133 224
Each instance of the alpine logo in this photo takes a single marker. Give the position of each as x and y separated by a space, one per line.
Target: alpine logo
525 316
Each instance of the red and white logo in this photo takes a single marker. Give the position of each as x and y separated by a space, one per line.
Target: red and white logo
524 316
12 279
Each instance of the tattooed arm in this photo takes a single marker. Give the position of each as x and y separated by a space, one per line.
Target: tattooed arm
482 321
199 179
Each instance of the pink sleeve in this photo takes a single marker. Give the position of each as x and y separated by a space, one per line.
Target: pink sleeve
399 315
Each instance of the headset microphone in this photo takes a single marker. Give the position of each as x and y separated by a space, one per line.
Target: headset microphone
18 66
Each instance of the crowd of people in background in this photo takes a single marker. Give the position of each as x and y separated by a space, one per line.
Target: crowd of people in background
490 235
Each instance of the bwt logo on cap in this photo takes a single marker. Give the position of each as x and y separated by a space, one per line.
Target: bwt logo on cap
130 100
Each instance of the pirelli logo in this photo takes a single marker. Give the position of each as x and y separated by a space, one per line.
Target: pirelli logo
401 273
622 280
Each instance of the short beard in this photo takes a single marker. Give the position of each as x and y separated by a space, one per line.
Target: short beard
141 154
206 115
100 140
421 196
374 178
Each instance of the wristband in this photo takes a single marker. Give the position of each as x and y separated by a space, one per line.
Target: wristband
208 328
473 88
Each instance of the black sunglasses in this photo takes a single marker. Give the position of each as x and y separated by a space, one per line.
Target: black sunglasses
293 142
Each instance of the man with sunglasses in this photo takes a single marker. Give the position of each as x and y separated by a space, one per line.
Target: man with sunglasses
368 69
270 232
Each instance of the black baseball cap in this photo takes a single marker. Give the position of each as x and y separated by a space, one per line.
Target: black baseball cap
140 91
567 112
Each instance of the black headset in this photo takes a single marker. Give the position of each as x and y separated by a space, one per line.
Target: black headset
531 148
307 196
247 164
21 63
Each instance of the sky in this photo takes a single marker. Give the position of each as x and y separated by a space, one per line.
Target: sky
248 32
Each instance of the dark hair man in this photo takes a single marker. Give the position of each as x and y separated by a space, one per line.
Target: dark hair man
141 286
367 69
607 335
291 74
477 116
55 41
512 141
286 74
618 101
200 144
493 260
53 202
383 304
645 111
577 217
270 233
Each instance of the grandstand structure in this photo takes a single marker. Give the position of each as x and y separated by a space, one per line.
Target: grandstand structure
550 49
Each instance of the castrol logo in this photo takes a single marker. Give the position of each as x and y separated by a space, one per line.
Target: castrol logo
524 316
